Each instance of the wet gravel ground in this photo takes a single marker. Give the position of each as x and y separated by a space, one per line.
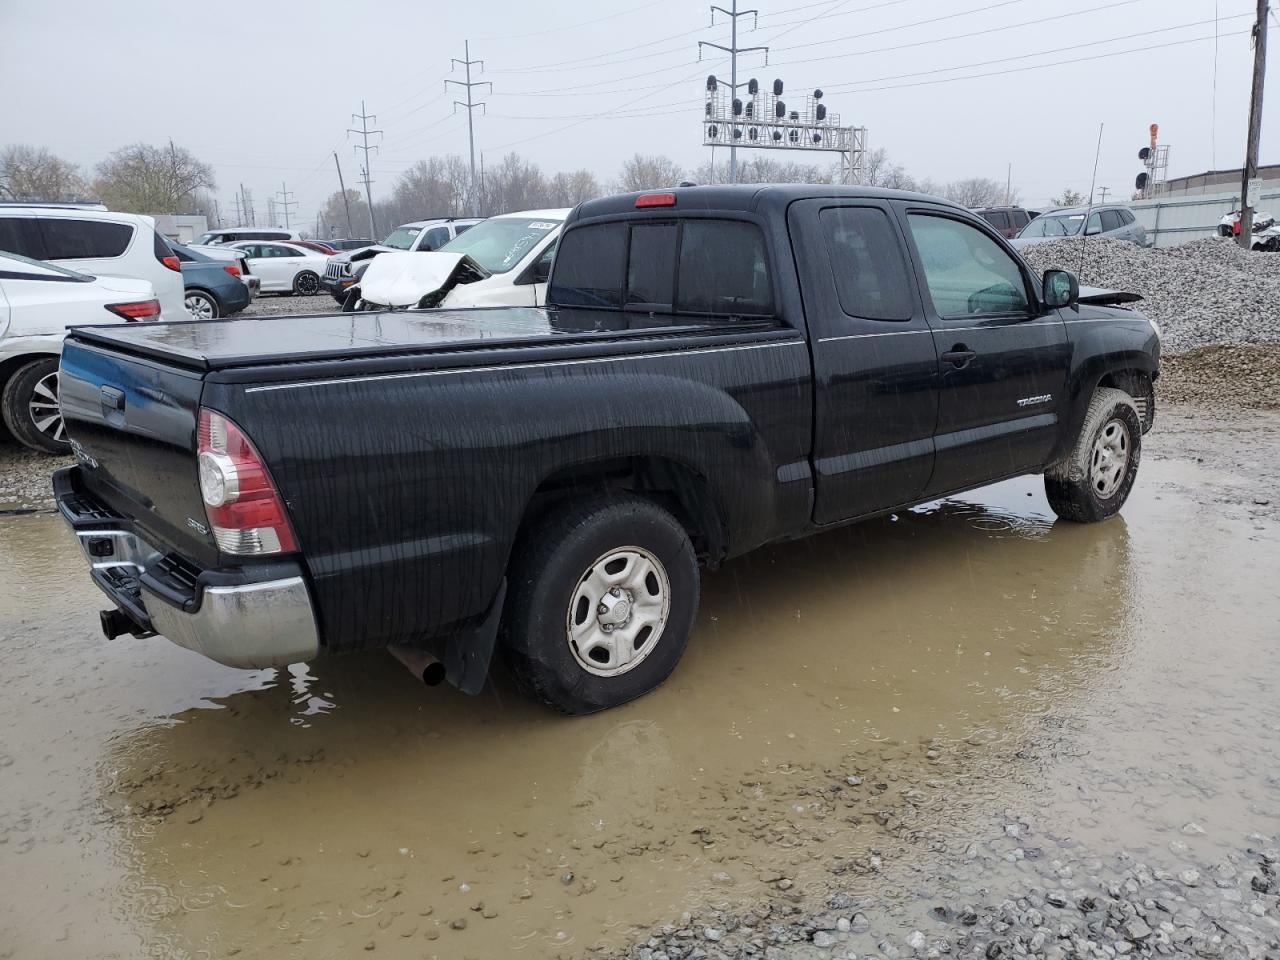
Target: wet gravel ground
966 731
277 305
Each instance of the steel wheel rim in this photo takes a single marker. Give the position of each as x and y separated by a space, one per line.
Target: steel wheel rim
1109 459
618 611
44 410
200 306
307 284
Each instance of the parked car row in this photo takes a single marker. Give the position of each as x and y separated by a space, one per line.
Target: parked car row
1114 221
343 270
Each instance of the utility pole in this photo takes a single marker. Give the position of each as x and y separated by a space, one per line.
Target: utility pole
1255 125
246 207
239 221
364 132
733 50
346 202
284 193
1104 191
470 105
1008 187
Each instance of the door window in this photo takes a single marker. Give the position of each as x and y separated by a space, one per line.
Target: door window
270 250
18 235
1111 220
871 277
437 237
997 218
66 239
1094 225
967 273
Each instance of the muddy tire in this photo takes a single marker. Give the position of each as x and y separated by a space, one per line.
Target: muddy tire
1094 480
30 407
601 598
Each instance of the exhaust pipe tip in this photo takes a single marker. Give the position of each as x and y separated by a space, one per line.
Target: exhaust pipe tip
421 664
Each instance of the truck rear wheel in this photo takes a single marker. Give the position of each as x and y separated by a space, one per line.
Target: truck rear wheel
30 407
601 599
1094 480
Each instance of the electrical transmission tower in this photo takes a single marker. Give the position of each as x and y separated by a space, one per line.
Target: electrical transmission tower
365 133
733 50
246 207
470 105
272 219
284 193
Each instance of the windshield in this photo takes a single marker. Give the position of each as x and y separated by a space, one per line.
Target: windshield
1064 226
500 244
401 238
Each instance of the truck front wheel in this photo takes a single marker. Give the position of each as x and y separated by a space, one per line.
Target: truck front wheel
601 599
1094 480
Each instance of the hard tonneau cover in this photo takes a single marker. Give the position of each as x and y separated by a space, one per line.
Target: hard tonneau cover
257 341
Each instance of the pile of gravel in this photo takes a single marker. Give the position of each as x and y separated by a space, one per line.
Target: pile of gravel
1204 292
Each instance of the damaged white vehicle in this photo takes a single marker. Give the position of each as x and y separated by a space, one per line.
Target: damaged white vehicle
503 262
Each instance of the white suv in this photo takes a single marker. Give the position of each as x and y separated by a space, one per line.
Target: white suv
38 302
231 235
99 243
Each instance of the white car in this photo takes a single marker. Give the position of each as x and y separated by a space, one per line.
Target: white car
99 243
38 302
514 252
284 267
234 234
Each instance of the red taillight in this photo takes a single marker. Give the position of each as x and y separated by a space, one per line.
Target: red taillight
245 511
232 269
138 310
656 200
173 263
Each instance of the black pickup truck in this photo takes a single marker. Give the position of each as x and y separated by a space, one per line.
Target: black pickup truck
718 368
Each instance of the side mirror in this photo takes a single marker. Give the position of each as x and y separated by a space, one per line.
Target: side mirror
1061 289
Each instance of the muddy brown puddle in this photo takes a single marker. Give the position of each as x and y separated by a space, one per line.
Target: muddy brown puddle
955 660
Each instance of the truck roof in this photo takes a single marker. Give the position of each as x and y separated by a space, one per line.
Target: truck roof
746 196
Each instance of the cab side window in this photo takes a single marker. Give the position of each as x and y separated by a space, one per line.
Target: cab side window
967 273
871 276
436 238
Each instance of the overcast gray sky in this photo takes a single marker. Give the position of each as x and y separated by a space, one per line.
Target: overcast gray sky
264 90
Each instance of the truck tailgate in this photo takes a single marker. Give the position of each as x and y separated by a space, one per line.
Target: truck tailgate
132 422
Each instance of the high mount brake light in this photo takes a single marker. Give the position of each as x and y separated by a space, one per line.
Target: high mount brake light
137 310
655 200
244 508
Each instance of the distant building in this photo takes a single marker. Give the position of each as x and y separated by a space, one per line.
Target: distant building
1218 181
180 227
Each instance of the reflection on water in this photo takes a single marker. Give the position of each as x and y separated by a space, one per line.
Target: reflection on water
875 685
350 790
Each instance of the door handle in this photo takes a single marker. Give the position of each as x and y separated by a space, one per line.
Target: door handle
959 355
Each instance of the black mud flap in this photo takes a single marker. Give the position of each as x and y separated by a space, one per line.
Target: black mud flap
466 656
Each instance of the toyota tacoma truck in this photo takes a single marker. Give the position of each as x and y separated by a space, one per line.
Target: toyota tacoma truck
716 368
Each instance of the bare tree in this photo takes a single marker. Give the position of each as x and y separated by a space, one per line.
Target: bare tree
571 189
974 192
645 172
765 170
1068 198
142 178
333 217
33 173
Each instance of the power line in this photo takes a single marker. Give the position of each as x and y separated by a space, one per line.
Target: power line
469 105
1025 56
575 26
364 132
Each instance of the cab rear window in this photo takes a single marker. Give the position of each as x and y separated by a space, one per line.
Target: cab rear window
693 266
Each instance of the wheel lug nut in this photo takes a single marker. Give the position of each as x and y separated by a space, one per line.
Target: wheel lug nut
602 609
615 592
